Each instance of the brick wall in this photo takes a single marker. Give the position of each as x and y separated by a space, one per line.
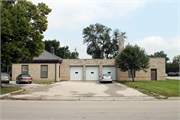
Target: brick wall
155 63
34 70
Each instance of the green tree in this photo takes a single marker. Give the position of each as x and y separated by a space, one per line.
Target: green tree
132 58
100 44
176 59
175 64
50 43
22 27
160 54
62 52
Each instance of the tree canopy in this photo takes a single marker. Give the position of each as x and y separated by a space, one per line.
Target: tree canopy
100 44
22 27
132 58
176 59
160 54
62 52
174 66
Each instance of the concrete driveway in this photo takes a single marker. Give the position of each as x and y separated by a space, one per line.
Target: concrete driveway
81 89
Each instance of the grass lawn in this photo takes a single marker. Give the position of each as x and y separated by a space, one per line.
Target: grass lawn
5 90
44 82
167 88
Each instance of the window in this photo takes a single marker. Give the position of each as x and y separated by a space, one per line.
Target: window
44 71
76 72
24 69
92 72
109 72
130 75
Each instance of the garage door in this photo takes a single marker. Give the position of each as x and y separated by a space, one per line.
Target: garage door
92 73
111 71
76 73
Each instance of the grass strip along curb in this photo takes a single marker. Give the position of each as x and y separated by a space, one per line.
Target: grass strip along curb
5 90
157 89
14 92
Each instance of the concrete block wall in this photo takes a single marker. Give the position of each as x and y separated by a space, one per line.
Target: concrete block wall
155 63
34 70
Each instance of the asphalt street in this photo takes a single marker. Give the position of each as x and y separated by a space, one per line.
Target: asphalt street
89 110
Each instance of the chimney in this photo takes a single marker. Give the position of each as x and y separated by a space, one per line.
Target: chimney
121 43
52 50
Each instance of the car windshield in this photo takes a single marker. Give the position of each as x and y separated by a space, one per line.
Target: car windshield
106 75
26 76
4 75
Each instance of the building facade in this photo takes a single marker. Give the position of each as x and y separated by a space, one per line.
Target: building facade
49 67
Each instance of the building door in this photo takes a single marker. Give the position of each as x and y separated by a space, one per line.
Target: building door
153 74
92 73
76 73
110 70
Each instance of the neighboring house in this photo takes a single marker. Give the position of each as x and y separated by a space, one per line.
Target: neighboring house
50 67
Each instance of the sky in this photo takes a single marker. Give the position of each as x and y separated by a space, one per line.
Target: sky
151 24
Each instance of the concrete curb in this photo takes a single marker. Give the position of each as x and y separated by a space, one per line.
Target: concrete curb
174 98
83 98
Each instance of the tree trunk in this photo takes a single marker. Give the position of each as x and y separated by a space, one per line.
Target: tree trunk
132 75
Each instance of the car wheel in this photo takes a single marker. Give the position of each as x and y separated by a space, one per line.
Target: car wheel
7 81
18 82
30 82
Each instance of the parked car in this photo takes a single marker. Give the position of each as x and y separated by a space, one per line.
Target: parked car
171 74
4 77
105 77
24 78
177 73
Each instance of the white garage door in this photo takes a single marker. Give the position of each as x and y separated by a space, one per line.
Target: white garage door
76 73
92 73
111 71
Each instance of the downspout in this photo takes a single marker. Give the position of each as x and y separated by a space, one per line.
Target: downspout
55 72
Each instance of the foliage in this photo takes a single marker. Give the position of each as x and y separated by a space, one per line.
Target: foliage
168 88
100 44
62 52
174 66
160 54
132 58
22 27
50 43
176 59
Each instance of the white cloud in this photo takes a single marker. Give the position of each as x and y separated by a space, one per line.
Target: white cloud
75 14
157 43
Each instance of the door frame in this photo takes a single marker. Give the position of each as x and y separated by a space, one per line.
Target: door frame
155 74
